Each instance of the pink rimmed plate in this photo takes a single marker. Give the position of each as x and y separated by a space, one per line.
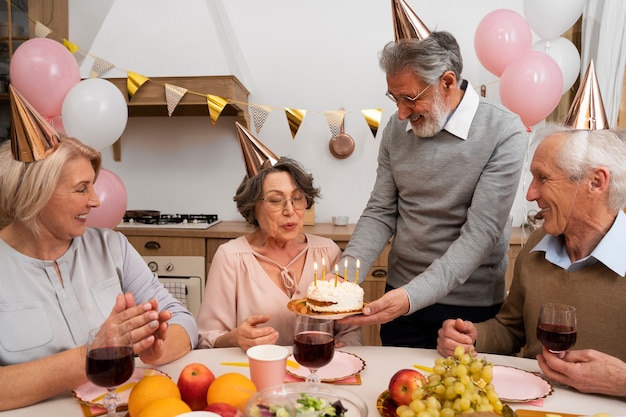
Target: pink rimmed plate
342 366
518 385
299 307
93 395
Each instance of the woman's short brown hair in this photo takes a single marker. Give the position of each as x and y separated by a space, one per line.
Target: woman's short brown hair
250 191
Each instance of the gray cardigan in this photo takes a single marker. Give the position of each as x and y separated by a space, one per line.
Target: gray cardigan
446 201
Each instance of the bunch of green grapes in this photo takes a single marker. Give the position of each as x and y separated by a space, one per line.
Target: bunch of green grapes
459 384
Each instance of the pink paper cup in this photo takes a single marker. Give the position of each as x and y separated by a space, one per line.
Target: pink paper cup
268 364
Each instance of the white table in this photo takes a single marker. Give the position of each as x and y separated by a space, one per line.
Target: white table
381 364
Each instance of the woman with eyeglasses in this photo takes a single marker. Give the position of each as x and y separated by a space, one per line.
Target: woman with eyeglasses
253 278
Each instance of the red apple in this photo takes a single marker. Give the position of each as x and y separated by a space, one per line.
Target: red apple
403 383
223 409
193 383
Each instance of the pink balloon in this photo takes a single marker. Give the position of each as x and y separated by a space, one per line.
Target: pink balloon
43 71
501 37
113 198
57 123
531 87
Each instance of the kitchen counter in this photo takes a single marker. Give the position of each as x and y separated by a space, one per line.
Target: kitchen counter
234 229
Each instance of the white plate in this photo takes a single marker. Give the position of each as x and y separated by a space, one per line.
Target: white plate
93 395
299 307
342 366
518 385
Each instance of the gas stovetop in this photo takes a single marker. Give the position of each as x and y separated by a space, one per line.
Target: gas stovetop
154 219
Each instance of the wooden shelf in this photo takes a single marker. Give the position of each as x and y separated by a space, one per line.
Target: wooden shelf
149 100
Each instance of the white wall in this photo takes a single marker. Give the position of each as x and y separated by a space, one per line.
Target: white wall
314 55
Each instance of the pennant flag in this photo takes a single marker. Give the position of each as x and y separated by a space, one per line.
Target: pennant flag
259 115
372 117
335 121
79 55
134 83
99 67
41 30
294 118
173 94
216 105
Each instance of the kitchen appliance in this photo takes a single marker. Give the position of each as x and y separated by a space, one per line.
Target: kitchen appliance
153 218
183 276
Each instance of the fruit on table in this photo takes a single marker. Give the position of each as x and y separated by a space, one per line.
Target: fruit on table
165 407
193 383
402 385
223 409
149 389
231 388
459 384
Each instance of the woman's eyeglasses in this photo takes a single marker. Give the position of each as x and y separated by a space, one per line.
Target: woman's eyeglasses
279 202
406 100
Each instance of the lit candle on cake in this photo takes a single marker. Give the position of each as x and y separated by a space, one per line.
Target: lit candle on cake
323 269
345 270
336 273
315 273
356 274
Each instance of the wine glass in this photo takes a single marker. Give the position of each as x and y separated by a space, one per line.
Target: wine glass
313 344
110 362
556 327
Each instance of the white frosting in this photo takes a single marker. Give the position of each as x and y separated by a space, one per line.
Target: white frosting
343 298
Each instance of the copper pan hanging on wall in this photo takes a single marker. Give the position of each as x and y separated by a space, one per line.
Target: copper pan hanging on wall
342 145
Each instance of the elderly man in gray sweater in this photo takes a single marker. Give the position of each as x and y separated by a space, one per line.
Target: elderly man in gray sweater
449 165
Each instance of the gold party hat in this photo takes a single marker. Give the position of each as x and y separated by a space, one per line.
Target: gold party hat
406 24
587 110
256 155
31 134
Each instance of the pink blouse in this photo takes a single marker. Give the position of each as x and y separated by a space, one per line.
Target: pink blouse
238 287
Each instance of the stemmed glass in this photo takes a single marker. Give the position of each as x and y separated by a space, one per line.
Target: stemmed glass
110 362
313 344
556 327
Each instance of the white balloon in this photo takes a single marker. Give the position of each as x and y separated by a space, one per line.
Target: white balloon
565 55
551 18
95 112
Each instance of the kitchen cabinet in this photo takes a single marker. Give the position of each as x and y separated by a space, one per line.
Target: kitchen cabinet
168 246
17 25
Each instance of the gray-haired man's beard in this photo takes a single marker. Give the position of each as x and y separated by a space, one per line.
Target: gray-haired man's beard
434 121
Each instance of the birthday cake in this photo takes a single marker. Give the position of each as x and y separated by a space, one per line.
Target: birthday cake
330 296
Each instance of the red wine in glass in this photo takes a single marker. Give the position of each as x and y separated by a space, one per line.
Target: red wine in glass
110 362
110 366
556 327
313 349
313 344
555 337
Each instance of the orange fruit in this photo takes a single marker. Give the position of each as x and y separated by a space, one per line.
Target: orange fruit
231 388
149 389
165 407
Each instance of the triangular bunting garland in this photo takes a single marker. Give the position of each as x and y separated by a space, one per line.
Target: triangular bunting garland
100 66
259 115
79 55
173 94
41 30
216 105
134 82
335 120
294 118
372 117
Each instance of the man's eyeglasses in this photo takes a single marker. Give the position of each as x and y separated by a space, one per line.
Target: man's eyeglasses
279 202
406 100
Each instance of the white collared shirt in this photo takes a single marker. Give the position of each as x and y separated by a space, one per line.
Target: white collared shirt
609 250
